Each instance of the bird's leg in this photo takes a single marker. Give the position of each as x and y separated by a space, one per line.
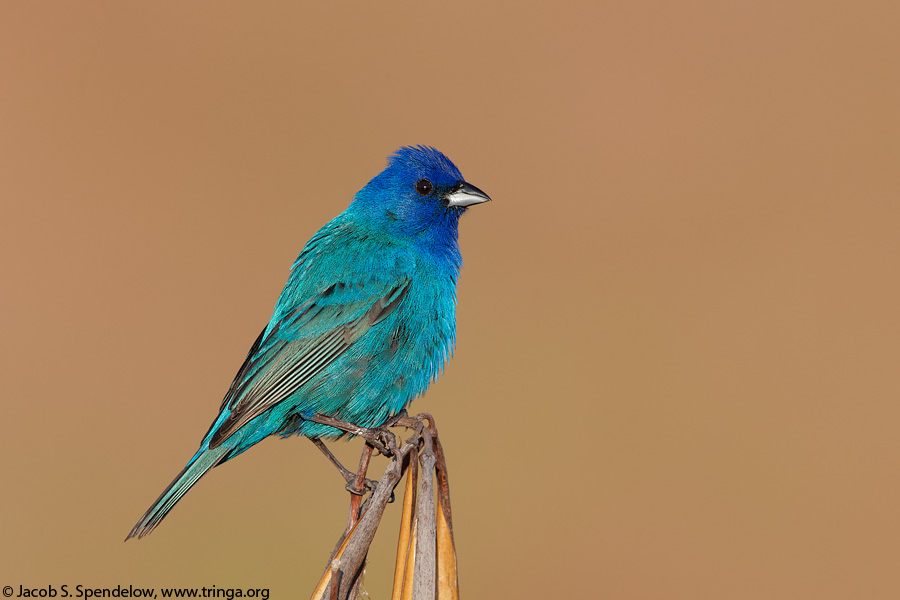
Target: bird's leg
348 475
396 419
358 486
372 436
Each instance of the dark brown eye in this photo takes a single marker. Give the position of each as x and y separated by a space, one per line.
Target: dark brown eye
424 187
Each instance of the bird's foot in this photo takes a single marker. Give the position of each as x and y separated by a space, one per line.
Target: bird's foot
370 485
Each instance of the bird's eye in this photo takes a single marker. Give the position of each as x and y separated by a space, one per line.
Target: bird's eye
424 187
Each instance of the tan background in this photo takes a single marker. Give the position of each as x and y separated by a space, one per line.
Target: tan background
677 368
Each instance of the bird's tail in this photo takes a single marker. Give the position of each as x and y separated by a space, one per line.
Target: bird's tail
202 462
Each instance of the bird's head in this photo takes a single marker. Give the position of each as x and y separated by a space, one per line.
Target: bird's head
420 192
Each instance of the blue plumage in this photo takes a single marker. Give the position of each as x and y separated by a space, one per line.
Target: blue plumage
364 324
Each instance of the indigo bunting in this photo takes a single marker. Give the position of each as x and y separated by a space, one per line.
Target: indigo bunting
365 323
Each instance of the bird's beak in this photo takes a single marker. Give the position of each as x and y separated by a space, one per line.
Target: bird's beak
466 194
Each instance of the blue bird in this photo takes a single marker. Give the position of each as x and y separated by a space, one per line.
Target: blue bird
365 323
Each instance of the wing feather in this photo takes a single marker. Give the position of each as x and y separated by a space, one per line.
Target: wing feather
285 359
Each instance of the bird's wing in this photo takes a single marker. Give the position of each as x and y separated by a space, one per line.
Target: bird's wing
302 342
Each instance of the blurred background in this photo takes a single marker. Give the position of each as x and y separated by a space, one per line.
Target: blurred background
677 364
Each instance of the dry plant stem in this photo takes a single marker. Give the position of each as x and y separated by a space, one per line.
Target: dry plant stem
355 591
359 486
410 564
404 543
443 482
447 583
425 571
336 577
358 545
337 547
319 592
420 568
